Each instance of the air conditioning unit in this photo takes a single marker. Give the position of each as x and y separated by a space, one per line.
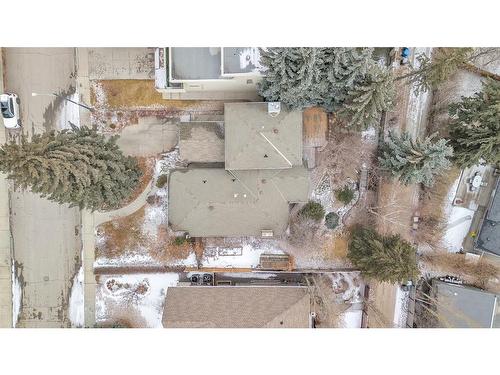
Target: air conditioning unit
273 108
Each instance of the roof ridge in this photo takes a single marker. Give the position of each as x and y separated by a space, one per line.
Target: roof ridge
306 295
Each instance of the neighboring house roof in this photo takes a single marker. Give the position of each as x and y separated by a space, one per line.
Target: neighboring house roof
256 140
201 142
237 307
214 202
460 306
209 63
489 236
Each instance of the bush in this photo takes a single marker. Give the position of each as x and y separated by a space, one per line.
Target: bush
331 220
180 240
345 195
161 181
313 210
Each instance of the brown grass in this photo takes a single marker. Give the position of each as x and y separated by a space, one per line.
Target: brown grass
337 247
130 93
482 273
432 215
394 208
122 234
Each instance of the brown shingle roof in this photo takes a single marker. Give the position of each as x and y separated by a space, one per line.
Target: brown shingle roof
237 307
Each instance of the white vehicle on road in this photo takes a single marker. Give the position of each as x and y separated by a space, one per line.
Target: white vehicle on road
9 105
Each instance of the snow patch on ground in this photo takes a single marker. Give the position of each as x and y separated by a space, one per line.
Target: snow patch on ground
352 319
138 297
347 286
246 255
401 308
17 296
459 220
76 310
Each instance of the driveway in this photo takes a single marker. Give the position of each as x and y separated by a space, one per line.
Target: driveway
150 137
46 235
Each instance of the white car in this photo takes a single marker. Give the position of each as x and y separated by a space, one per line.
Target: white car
9 105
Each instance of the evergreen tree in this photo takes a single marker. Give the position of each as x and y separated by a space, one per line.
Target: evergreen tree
368 98
385 258
294 76
327 77
475 127
430 73
415 161
78 166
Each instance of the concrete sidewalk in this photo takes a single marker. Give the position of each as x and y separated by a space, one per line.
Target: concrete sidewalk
5 237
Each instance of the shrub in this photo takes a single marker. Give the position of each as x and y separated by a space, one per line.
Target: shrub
313 210
345 195
331 220
180 240
161 181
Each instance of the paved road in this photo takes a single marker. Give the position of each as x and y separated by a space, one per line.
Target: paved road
47 243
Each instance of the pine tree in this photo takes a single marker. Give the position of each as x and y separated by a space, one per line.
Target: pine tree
326 77
77 166
385 258
475 127
430 73
415 161
368 98
294 76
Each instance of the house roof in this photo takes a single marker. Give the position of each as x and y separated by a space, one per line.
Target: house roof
201 142
489 236
214 202
208 63
237 307
256 140
460 306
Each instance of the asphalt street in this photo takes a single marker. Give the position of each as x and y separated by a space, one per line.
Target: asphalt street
46 235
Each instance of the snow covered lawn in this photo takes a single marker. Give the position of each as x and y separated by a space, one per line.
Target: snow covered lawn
245 255
459 220
401 308
17 295
134 300
348 287
351 319
76 310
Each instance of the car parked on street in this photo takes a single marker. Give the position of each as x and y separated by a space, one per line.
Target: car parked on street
9 105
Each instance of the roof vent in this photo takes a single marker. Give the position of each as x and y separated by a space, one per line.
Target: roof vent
273 108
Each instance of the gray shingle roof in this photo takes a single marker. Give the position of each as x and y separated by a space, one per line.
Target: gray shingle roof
255 140
201 142
237 307
214 202
489 236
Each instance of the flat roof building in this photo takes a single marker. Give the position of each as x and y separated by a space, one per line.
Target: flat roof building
460 306
215 73
489 235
